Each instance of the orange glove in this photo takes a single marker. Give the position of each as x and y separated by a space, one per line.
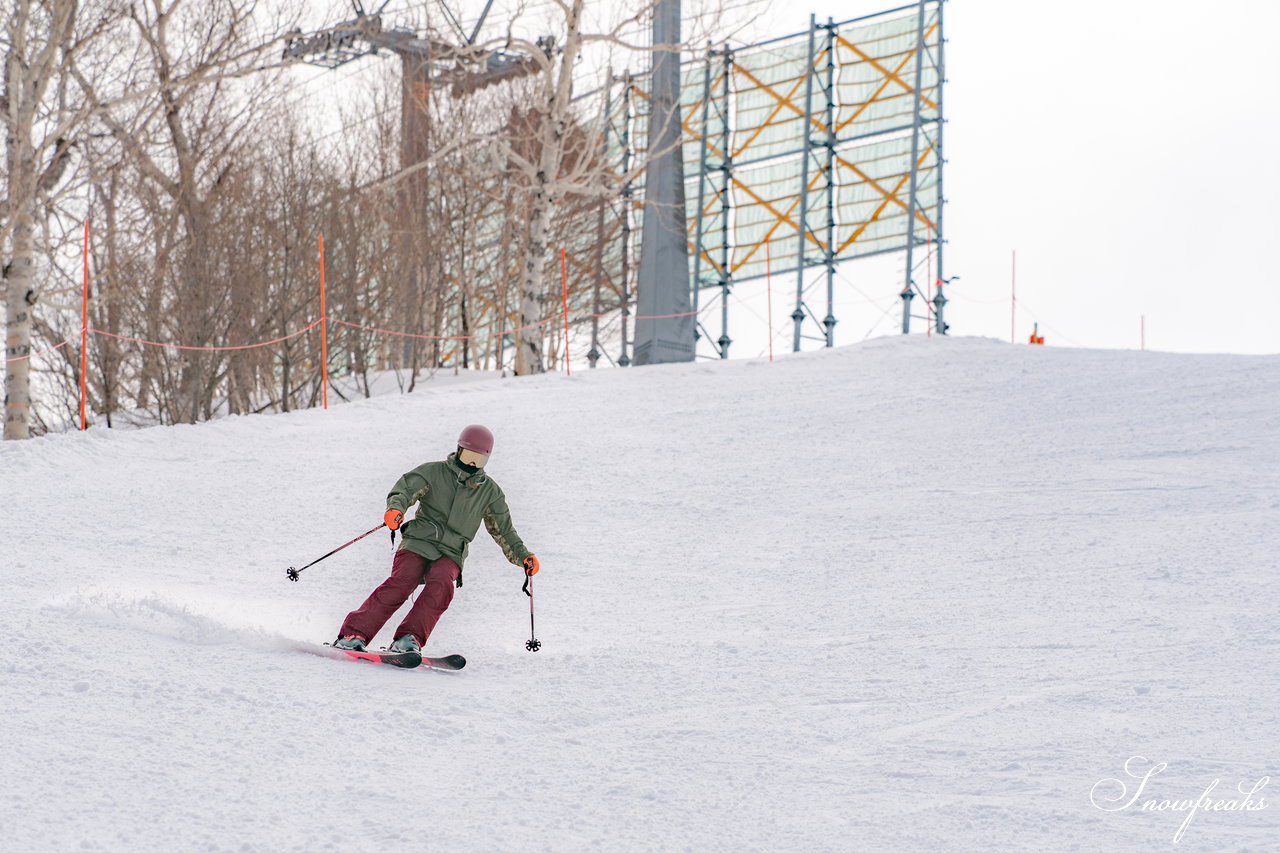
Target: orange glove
392 518
531 565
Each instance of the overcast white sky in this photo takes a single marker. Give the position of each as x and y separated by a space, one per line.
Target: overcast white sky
1125 149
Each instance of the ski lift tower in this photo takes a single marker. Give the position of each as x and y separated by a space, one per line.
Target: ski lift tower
425 62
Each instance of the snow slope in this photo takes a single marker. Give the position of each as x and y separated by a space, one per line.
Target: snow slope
907 595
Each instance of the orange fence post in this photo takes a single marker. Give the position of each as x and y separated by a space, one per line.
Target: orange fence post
324 330
84 330
564 284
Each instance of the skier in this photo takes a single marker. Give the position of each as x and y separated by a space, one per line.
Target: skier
453 497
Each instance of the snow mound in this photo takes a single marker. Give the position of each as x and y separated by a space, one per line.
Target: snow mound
907 595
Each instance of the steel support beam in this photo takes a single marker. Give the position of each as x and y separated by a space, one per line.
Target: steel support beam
802 226
726 172
940 301
829 256
702 195
915 171
628 189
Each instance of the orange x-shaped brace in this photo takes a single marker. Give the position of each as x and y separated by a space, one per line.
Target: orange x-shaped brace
781 217
890 76
783 101
706 257
691 228
890 196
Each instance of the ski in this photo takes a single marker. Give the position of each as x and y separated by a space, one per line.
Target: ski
449 662
406 660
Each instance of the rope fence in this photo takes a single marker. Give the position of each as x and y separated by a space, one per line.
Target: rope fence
42 352
579 318
301 331
86 330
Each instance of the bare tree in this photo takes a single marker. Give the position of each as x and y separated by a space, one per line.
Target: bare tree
547 188
40 39
210 197
185 143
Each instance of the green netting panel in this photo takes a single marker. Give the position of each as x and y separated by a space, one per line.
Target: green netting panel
707 77
769 99
877 72
766 209
691 99
694 127
713 231
874 69
712 246
873 195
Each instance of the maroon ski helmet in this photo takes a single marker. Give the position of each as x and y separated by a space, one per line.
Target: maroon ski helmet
477 438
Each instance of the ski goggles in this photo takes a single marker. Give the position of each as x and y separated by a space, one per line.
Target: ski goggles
470 457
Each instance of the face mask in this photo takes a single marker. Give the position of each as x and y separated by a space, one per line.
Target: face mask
470 457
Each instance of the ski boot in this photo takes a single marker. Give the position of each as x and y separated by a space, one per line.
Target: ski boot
351 643
407 643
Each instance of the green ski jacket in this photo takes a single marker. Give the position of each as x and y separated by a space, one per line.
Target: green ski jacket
451 505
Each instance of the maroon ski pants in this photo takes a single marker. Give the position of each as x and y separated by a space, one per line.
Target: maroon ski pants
407 571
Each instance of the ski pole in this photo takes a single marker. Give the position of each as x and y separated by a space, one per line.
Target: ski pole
293 573
534 643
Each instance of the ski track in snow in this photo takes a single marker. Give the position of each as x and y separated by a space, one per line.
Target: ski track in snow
906 595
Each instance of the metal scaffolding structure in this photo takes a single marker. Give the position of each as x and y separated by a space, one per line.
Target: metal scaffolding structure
788 156
803 152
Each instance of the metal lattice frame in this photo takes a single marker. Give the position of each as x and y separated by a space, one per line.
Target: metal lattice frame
812 150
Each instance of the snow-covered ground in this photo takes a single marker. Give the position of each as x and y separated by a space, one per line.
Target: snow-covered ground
906 595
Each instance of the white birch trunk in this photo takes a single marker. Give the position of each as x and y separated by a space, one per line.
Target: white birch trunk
19 275
547 192
20 298
30 64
